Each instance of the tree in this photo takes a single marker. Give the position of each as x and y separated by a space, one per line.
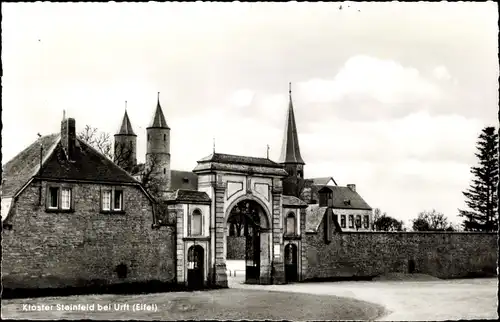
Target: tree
148 174
431 221
385 223
98 140
482 195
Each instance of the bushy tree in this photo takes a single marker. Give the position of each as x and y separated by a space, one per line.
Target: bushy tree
482 195
383 222
431 221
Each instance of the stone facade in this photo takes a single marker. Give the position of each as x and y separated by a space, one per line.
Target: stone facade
84 246
368 254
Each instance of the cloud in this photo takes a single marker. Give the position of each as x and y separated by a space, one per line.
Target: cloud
241 98
441 73
385 81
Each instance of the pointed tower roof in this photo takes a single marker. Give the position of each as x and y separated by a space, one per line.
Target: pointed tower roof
126 127
159 118
290 151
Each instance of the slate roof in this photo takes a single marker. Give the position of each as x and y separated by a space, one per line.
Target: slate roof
293 201
185 180
290 150
239 159
188 196
158 119
126 127
26 164
340 194
87 164
235 163
322 181
314 216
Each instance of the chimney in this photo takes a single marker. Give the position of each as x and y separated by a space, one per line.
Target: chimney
352 187
68 136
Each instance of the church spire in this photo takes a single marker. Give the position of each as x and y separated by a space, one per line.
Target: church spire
158 119
290 151
126 127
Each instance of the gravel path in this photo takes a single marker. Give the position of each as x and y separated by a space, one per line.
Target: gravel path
408 300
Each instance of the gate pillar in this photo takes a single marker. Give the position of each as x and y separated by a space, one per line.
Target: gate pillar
220 256
278 264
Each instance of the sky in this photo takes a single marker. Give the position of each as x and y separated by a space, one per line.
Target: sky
388 96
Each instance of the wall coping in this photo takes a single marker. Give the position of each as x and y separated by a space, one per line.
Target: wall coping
419 232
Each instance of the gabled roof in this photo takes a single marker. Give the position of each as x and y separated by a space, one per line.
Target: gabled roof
290 150
314 217
188 196
158 119
240 164
126 128
342 194
185 180
293 201
26 164
87 165
322 181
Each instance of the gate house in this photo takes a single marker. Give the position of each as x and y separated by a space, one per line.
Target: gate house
249 188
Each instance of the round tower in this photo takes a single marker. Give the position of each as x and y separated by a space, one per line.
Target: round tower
158 149
125 147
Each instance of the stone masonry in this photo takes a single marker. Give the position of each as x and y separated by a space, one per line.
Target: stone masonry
85 246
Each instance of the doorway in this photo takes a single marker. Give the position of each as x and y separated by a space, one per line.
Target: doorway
291 263
195 267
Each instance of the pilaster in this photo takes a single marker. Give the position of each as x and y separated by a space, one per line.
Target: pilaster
220 256
278 266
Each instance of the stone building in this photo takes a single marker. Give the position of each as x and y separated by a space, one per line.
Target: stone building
71 217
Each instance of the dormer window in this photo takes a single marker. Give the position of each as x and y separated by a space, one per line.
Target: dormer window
347 202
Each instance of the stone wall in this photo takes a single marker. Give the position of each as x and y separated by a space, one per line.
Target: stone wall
236 247
368 254
56 249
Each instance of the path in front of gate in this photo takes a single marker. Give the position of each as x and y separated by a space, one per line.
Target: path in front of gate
407 300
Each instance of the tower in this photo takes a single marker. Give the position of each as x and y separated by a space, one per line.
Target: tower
158 149
125 147
290 154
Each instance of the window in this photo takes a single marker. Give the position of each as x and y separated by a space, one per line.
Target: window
112 200
322 199
351 221
53 197
366 221
164 171
195 223
118 200
290 224
358 221
106 200
342 221
66 198
164 137
59 199
148 137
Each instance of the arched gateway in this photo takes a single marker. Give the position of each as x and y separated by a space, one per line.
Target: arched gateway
249 221
246 192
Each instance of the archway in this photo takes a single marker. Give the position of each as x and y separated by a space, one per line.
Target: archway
251 238
291 263
195 267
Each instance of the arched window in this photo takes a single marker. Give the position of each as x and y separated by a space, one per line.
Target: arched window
290 224
195 224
